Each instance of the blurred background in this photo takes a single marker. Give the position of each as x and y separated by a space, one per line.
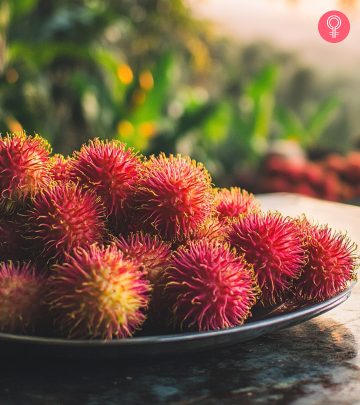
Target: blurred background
247 87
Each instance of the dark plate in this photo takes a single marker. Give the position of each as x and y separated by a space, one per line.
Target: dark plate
165 344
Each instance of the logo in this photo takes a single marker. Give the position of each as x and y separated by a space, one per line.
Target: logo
334 26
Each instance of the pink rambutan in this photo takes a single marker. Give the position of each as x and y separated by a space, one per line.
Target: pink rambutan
271 243
330 266
148 251
97 293
62 218
211 230
22 292
233 202
208 287
60 168
111 170
173 196
23 168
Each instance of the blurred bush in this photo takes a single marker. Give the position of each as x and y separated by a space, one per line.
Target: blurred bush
148 73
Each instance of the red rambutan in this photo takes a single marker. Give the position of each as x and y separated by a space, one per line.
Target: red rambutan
208 287
60 168
173 196
211 230
111 170
22 292
148 251
233 202
330 266
98 294
271 243
62 218
23 168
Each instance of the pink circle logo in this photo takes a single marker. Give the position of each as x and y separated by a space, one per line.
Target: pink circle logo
334 26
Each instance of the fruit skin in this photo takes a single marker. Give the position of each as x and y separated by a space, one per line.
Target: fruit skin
208 287
59 168
173 197
62 218
234 202
12 244
97 293
212 229
111 170
23 168
330 266
22 290
148 251
272 244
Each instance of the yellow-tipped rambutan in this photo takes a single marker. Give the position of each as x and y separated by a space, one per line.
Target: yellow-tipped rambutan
209 287
234 202
59 168
111 170
148 251
64 217
173 197
330 266
98 294
24 163
272 244
22 291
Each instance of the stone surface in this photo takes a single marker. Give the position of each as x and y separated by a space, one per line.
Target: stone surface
316 362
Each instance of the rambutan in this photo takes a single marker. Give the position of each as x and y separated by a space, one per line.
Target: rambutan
209 287
148 251
173 196
271 243
211 230
22 291
60 168
233 202
12 244
98 294
23 168
330 266
62 218
111 170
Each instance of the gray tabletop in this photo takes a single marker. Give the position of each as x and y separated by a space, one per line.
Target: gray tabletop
313 363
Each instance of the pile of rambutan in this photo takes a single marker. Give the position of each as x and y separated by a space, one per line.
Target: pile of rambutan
106 243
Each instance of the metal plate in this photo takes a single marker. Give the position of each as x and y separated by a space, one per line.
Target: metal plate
163 344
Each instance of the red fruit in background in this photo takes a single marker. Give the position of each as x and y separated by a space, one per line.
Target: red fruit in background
330 265
208 287
24 166
22 292
62 218
110 169
148 251
271 243
313 174
335 163
60 168
98 294
173 197
234 202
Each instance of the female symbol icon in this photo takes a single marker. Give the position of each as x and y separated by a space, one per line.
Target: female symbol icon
334 26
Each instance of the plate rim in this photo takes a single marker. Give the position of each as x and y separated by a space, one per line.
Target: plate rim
314 309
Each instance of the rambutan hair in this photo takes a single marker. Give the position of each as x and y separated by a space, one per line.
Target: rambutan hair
330 266
208 287
22 291
173 197
23 168
211 230
234 202
150 252
59 168
97 293
272 244
111 169
64 217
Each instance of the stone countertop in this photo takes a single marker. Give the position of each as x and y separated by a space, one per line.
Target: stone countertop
316 362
